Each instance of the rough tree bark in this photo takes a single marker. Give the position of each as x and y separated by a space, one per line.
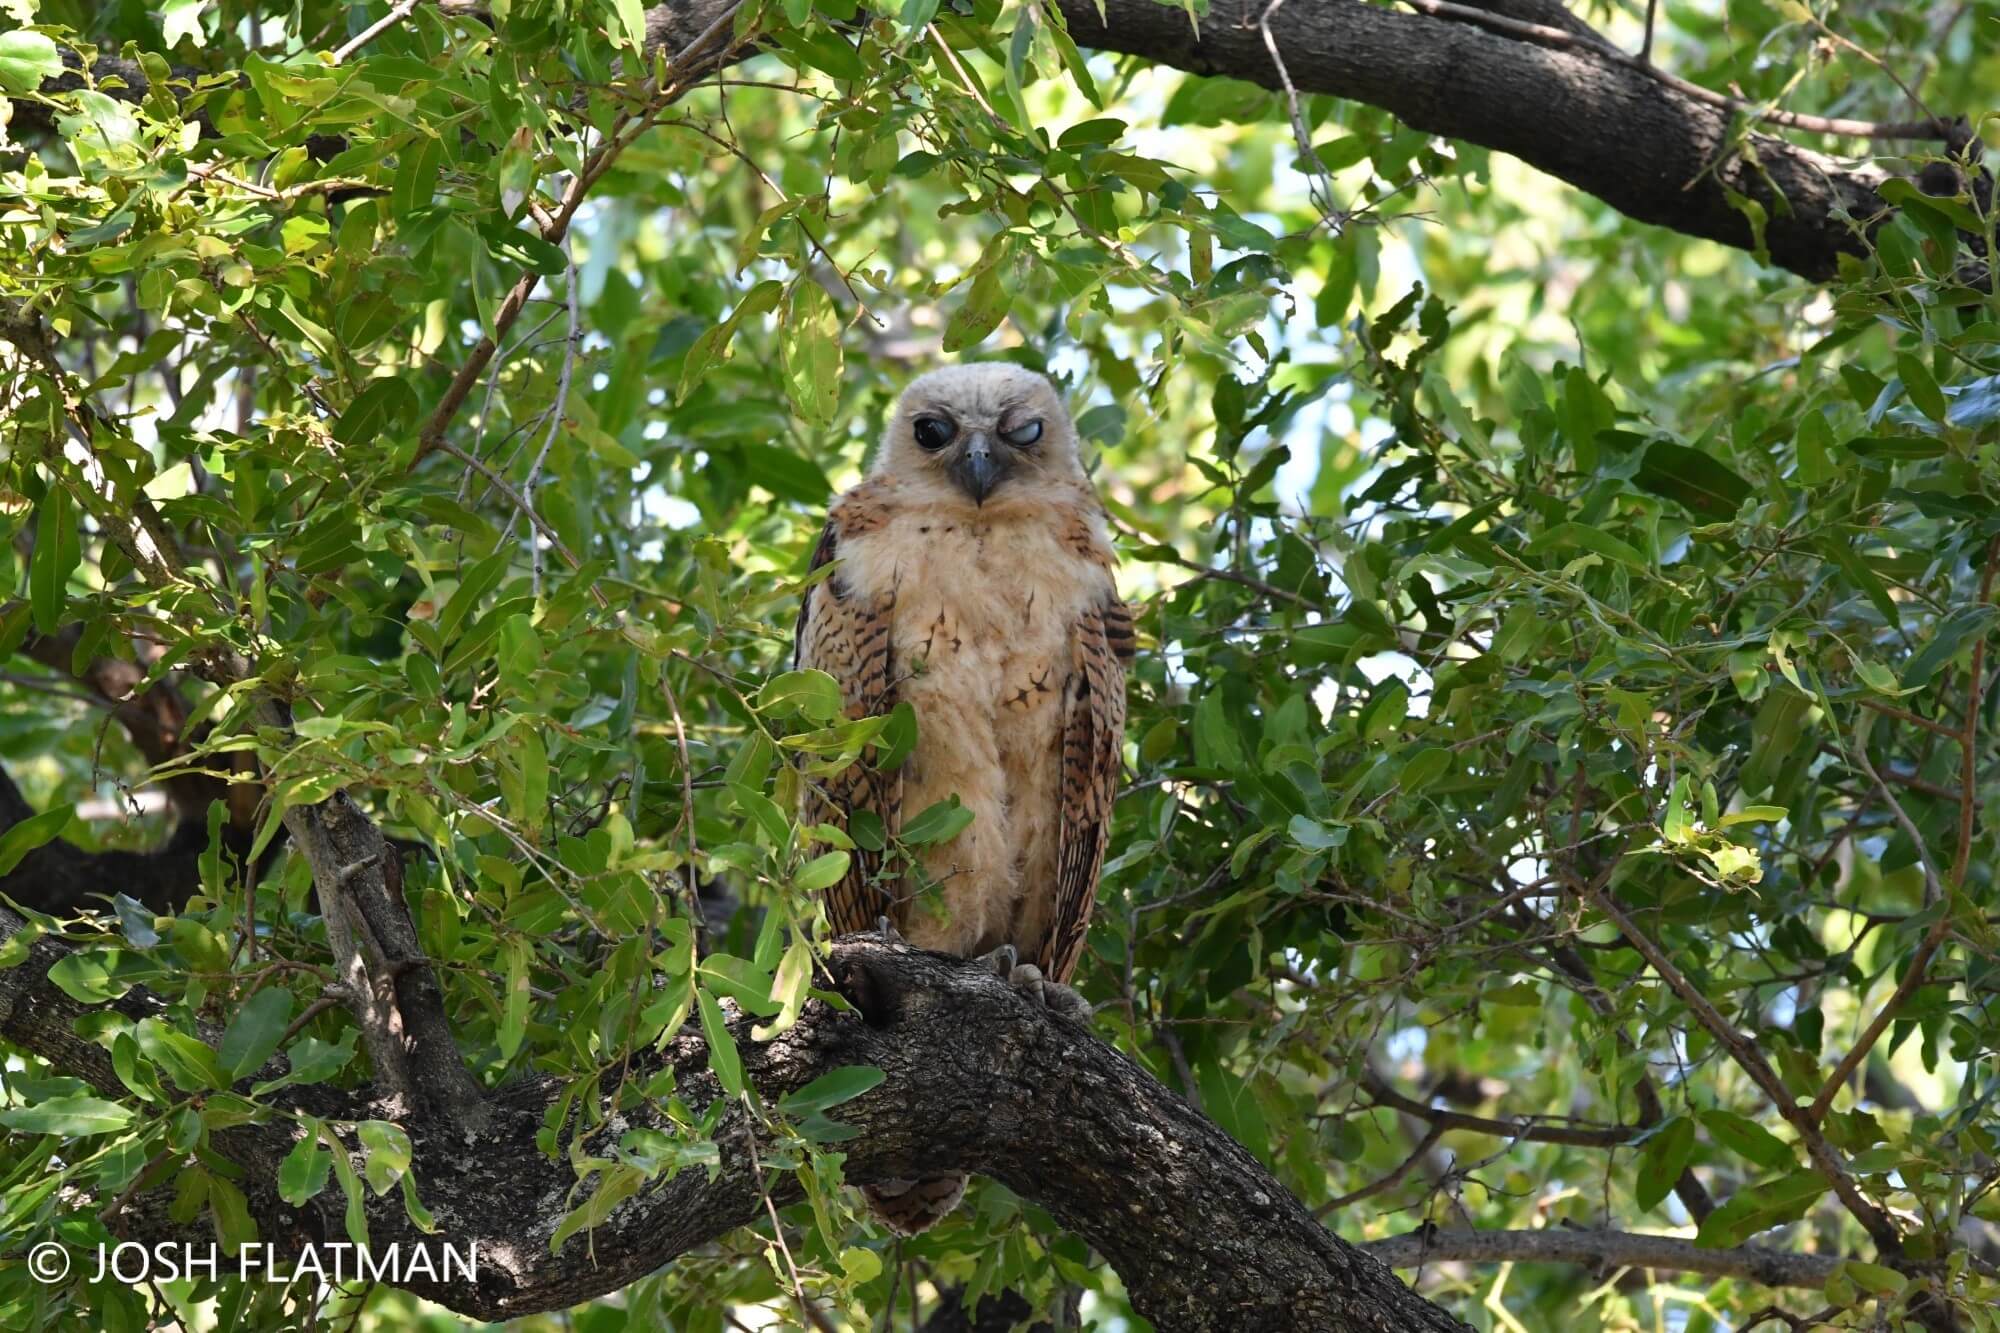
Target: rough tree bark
1522 77
977 1078
1607 127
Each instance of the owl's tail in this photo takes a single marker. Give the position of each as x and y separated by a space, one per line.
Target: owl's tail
909 1206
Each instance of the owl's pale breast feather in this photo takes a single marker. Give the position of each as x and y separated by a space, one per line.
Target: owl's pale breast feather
995 627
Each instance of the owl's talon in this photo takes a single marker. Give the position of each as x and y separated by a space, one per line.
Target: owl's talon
1005 963
1050 995
1002 962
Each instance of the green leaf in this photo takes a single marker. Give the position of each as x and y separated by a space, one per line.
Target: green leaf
831 1089
382 406
1922 387
1700 483
30 833
809 693
1753 814
1662 1158
1673 823
1758 1208
809 338
940 822
821 872
1861 576
1881 1280
1424 767
26 58
616 1183
91 976
254 1033
74 1116
1952 634
514 1008
1315 836
1748 1139
789 986
632 18
416 174
723 1059
313 1061
58 551
188 1062
182 18
1590 539
785 473
303 1173
413 1207
388 1149
986 303
350 1185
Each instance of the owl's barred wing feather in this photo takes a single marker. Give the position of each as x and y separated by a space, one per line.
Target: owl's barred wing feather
847 637
1092 740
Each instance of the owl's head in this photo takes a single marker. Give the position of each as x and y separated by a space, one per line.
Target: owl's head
981 429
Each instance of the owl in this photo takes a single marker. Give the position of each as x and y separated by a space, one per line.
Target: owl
972 579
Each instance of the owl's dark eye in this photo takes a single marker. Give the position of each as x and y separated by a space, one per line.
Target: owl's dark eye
1023 435
934 432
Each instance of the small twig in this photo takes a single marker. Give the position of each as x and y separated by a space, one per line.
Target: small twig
139 1182
1933 890
397 13
1612 1136
777 1228
689 877
1320 181
951 58
1975 694
334 998
556 410
520 502
1880 1227
1424 1145
1913 976
627 128
1904 715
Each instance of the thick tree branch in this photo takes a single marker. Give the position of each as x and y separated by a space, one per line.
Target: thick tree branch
1604 1250
1611 129
977 1078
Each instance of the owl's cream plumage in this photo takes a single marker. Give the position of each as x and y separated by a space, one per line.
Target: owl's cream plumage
974 580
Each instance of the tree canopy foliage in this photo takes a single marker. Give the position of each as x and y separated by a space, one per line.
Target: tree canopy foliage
1558 842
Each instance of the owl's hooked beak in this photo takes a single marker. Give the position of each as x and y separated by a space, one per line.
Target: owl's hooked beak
977 470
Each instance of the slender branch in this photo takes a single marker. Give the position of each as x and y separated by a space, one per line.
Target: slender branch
1524 1128
692 60
396 14
1913 977
1373 1187
1881 1229
1915 970
1975 694
1904 715
1604 1250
